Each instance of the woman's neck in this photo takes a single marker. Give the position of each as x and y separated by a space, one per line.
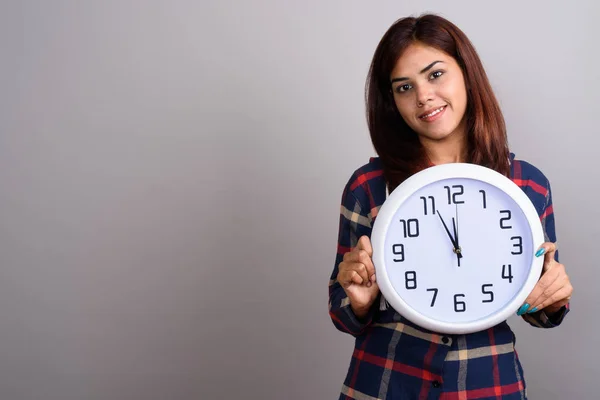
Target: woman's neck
443 157
449 150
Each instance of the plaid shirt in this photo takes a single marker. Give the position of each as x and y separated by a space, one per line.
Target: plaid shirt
396 359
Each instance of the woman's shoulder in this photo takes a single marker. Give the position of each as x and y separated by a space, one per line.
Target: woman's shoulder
532 181
367 183
373 168
368 174
522 170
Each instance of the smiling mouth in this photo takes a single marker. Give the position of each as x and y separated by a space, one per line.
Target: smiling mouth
432 113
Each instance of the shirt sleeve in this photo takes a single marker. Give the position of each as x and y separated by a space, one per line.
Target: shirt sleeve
540 319
354 222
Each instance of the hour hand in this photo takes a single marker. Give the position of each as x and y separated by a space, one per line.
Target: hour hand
457 249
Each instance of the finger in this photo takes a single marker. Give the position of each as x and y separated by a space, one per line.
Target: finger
373 286
546 294
548 250
555 307
362 257
348 277
561 295
364 243
360 269
543 285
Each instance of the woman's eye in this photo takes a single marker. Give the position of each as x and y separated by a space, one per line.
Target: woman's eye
436 74
403 88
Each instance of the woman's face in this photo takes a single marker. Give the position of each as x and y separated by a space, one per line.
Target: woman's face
429 92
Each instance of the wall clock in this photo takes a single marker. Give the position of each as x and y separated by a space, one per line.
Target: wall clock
453 248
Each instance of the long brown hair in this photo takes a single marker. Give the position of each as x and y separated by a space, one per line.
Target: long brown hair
395 142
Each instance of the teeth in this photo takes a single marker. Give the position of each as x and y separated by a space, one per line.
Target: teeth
432 113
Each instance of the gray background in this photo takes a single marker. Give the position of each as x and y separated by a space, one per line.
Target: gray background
171 173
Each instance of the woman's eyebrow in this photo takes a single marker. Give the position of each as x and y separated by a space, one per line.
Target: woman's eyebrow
427 68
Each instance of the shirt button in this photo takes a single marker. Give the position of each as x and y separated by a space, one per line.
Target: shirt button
445 340
435 384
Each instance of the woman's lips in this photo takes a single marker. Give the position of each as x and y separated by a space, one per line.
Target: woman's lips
433 114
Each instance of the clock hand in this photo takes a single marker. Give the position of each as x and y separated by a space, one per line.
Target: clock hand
458 249
455 234
455 225
447 231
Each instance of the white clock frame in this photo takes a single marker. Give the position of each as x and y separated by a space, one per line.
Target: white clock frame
431 175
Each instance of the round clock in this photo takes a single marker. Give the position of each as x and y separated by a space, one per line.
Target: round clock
453 248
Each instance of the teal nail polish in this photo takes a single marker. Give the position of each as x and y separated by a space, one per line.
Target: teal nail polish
532 310
540 252
523 309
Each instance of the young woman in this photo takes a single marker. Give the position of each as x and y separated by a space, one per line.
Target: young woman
429 102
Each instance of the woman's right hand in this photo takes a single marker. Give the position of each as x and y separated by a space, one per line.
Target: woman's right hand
356 274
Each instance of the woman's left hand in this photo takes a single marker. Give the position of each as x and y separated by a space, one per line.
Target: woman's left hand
553 290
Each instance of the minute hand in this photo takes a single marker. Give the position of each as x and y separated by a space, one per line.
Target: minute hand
448 231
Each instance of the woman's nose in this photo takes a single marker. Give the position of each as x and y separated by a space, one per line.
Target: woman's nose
424 94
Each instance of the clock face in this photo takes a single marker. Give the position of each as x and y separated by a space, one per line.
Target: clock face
457 252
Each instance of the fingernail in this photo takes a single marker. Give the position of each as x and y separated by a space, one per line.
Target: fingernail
373 278
369 284
523 309
540 252
532 310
